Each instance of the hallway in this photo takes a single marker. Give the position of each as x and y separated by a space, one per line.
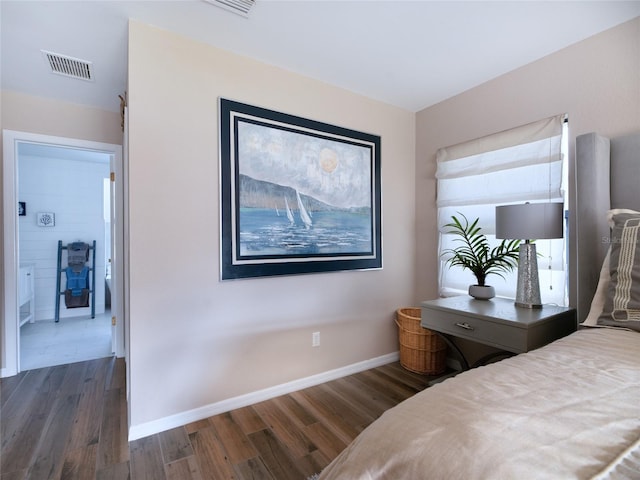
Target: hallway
75 339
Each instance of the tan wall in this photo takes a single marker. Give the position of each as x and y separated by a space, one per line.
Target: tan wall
31 114
194 339
596 81
26 113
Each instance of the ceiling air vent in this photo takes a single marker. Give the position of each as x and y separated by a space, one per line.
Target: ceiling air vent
241 7
69 66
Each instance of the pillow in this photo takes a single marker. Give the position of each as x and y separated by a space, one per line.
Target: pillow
622 304
599 298
597 304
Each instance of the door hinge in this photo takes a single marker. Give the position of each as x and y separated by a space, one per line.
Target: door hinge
113 176
113 321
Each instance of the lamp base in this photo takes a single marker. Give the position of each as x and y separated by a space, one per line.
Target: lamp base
528 292
527 305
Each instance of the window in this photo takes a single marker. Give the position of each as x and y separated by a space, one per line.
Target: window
524 164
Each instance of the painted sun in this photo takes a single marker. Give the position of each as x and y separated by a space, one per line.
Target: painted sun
328 160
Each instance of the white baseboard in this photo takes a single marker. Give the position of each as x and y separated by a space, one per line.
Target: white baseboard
183 418
5 372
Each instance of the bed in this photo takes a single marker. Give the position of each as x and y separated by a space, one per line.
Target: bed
568 410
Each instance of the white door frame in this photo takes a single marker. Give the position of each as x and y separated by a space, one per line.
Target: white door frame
11 318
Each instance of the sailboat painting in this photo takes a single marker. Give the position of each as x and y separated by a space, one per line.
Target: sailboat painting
289 212
297 196
304 215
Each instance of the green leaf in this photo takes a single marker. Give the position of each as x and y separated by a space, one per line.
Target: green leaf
475 253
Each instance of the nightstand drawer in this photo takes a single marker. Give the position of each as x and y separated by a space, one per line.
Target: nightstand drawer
500 335
497 323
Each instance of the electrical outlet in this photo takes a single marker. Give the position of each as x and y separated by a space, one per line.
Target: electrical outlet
315 339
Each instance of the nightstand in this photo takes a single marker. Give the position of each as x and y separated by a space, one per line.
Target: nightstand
497 323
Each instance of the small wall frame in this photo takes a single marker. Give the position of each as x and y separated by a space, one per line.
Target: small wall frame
45 219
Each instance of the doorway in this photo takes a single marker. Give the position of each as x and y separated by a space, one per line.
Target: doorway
47 172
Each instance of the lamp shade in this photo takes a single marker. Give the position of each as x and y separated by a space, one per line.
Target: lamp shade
530 221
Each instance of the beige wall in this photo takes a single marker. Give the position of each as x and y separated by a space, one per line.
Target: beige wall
26 113
194 339
31 114
596 81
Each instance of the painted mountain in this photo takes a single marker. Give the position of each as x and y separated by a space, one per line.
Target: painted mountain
259 194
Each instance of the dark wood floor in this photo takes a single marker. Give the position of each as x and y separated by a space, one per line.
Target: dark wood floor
69 422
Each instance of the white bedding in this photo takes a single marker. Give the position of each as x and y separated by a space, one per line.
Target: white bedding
568 410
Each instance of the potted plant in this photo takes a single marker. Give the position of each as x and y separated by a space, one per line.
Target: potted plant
476 255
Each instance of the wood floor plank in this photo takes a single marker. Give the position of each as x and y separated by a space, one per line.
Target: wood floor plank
195 426
297 411
118 471
88 418
49 456
73 380
284 428
20 444
27 397
237 444
175 445
341 408
321 460
275 456
146 459
308 465
80 464
253 469
26 415
113 447
8 386
360 416
55 379
211 456
396 390
186 468
18 475
248 420
326 441
344 430
118 377
397 372
362 396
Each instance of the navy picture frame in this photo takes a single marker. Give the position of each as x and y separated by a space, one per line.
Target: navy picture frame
297 196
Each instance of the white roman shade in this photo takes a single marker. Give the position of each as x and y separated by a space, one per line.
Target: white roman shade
523 164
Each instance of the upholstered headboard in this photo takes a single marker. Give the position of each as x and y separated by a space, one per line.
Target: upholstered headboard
598 159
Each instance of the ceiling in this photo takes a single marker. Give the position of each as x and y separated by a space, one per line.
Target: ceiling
411 54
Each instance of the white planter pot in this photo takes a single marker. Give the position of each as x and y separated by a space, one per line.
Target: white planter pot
484 292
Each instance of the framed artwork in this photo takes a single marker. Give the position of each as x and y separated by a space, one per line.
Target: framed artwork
22 209
45 219
297 195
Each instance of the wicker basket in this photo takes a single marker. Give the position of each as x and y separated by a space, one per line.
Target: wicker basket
421 350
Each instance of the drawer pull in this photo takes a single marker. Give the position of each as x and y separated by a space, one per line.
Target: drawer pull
465 325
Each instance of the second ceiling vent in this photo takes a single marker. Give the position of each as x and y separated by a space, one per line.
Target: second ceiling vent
69 66
241 7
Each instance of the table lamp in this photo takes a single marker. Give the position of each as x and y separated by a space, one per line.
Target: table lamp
526 222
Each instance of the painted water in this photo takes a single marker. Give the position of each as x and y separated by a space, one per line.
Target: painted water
269 232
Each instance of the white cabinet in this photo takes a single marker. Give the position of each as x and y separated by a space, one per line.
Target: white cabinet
26 294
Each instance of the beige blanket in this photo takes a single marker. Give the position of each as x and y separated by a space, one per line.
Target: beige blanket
568 410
